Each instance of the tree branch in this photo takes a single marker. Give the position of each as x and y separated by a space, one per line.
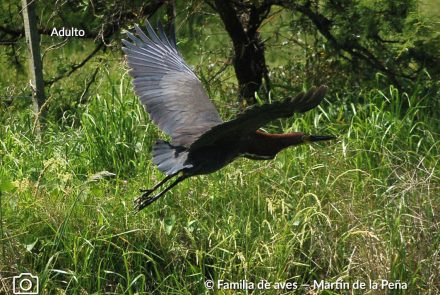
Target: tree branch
104 32
76 66
352 47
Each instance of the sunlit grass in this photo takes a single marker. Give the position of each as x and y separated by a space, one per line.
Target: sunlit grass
363 207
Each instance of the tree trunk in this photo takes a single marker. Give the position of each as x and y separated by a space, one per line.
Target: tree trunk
35 64
249 61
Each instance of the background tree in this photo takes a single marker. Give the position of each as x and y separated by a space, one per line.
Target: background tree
242 20
348 42
357 37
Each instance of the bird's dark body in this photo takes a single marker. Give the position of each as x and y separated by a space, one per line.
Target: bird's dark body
201 142
211 158
256 146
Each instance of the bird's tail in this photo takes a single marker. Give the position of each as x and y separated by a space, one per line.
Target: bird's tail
168 158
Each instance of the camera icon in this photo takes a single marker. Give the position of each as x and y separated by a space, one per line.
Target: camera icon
25 283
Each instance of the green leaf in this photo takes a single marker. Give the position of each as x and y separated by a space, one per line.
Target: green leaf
169 223
6 184
31 246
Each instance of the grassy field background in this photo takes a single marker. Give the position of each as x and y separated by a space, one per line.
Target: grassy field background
362 208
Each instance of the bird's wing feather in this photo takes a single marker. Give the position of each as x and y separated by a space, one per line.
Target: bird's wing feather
255 117
170 92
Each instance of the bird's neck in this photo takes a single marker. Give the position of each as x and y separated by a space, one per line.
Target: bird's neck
266 145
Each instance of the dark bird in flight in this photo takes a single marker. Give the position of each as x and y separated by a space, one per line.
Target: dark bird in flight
201 142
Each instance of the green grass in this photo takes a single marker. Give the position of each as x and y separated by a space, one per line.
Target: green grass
364 207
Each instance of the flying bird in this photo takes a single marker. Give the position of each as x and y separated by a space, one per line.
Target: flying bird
201 143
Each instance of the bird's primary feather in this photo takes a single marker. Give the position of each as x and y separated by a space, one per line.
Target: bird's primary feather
171 93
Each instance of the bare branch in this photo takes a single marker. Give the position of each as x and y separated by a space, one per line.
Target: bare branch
75 67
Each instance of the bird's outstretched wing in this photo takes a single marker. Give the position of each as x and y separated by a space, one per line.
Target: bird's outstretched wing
171 93
256 117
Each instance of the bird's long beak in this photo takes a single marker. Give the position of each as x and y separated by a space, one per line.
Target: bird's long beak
315 138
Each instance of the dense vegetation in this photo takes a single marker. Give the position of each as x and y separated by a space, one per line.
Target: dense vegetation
364 207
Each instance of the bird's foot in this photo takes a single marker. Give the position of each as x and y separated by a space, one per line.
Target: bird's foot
141 203
144 200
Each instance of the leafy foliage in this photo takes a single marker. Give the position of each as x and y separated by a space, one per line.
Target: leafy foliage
364 207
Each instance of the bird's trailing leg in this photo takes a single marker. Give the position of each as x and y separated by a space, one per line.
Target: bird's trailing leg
145 200
147 192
